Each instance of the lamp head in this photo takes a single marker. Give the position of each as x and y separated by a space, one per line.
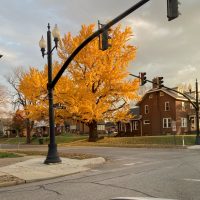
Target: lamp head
56 35
56 32
42 44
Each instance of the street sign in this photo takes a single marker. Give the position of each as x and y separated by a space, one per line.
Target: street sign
59 106
173 125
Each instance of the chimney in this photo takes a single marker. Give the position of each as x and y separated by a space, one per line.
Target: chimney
154 84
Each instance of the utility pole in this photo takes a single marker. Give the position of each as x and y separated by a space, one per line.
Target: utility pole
197 114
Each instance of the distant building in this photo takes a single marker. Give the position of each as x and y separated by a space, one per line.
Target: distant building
133 127
161 112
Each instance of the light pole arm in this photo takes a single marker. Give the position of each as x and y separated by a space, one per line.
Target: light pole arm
194 104
95 34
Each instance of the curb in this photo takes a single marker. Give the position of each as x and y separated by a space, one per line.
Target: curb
12 182
194 147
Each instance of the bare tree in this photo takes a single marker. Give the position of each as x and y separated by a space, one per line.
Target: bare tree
19 101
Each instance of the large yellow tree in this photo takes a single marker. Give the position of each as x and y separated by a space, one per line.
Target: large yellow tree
95 86
100 89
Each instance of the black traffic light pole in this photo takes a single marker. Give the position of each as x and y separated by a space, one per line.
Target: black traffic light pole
195 104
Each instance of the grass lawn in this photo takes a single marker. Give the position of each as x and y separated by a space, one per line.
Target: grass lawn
145 141
15 140
8 155
160 140
59 139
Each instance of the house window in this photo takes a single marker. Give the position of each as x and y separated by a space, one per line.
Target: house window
146 122
135 125
192 123
191 106
183 122
167 122
100 127
146 109
183 105
151 96
161 94
167 107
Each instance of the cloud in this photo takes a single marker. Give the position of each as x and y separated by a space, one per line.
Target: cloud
141 26
187 70
170 49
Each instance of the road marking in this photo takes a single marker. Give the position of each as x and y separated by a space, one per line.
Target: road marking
139 198
121 159
95 170
129 164
190 179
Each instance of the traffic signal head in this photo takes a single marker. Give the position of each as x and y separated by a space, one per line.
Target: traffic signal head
160 82
143 78
172 9
104 38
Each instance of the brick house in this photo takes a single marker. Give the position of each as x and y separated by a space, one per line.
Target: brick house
133 127
161 112
166 112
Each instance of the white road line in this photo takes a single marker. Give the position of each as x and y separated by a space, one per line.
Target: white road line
139 198
190 179
129 164
95 170
121 159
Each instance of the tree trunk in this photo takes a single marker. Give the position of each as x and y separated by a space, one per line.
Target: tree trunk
28 131
93 135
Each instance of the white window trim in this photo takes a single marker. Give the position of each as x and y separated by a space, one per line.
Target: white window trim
167 102
145 121
168 125
183 122
161 94
183 106
135 125
151 96
146 109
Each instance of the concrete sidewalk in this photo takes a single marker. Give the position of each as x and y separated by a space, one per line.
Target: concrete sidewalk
33 169
194 147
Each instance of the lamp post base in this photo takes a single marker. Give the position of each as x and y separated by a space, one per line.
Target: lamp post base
52 156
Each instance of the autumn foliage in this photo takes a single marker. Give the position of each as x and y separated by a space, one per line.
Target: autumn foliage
95 85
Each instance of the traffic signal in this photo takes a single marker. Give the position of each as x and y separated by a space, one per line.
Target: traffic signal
160 82
104 38
172 9
143 78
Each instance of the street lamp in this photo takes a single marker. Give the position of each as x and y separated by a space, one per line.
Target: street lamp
52 156
197 114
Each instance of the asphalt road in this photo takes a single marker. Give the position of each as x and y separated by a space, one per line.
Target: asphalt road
161 173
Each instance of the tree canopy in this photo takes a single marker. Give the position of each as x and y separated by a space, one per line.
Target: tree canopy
95 85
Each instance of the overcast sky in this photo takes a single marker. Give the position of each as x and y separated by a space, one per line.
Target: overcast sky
168 49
